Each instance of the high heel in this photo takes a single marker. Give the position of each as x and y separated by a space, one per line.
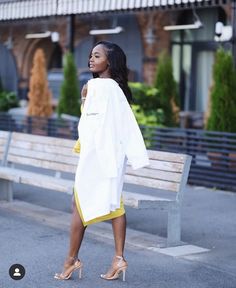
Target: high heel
66 275
116 269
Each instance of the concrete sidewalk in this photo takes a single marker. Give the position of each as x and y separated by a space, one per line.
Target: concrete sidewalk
37 237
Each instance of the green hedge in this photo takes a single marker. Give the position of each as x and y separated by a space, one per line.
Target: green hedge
167 87
146 104
223 94
69 101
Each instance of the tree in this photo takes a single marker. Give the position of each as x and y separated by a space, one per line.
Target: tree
69 102
39 94
222 116
167 89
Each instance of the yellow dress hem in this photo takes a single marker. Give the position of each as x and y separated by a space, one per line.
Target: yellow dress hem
113 214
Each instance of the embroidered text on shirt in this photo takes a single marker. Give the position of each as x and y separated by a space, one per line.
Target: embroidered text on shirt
89 114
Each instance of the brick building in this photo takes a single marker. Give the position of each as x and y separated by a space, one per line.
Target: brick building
30 24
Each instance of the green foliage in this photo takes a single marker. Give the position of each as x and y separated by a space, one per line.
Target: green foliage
148 118
223 94
1 86
146 104
69 102
167 88
144 95
8 100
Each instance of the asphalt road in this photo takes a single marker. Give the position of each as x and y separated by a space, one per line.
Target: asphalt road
208 221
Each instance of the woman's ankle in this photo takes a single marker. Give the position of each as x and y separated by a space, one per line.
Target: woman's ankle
72 257
70 260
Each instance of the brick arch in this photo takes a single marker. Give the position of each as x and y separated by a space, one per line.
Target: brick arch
46 44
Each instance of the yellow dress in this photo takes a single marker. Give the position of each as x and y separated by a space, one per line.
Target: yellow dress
118 212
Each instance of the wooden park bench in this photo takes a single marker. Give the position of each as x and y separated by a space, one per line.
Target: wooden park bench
46 161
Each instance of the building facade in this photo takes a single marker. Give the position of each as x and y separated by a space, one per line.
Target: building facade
58 26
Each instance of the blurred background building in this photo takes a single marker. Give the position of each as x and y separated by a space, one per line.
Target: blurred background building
191 30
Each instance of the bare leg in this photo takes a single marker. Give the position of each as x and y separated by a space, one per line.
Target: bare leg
119 232
76 237
118 264
76 233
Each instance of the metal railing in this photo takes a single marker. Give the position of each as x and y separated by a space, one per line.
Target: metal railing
214 153
54 127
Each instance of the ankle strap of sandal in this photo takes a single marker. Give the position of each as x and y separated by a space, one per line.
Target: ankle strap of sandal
119 257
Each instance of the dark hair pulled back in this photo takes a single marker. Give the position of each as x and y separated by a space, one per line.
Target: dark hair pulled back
117 66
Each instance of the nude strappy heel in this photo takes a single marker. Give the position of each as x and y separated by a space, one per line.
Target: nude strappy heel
77 265
116 269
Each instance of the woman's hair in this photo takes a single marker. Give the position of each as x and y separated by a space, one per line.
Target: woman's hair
117 66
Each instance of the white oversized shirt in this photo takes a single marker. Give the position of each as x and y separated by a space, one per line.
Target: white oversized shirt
109 135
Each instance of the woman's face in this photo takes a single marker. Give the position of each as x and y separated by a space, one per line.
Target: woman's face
98 62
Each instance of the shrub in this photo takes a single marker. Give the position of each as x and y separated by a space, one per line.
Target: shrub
144 95
148 118
69 102
167 88
8 100
146 105
39 95
222 116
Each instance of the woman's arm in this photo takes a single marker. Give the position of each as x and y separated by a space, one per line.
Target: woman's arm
84 93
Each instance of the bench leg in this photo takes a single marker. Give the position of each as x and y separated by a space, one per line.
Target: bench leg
6 192
174 227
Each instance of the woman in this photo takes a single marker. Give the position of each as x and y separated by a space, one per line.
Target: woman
109 136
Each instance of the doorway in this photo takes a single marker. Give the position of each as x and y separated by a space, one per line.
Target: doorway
8 70
201 75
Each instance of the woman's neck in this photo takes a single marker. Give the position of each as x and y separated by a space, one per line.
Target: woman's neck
104 74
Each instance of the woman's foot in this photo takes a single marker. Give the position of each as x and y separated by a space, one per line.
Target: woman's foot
118 266
71 264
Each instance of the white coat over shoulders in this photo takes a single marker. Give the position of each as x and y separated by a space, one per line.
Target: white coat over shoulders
109 135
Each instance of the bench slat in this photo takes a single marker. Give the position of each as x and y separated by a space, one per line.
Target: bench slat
35 179
166 156
34 146
153 183
39 139
60 185
3 141
56 157
157 174
4 134
8 174
42 164
166 166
